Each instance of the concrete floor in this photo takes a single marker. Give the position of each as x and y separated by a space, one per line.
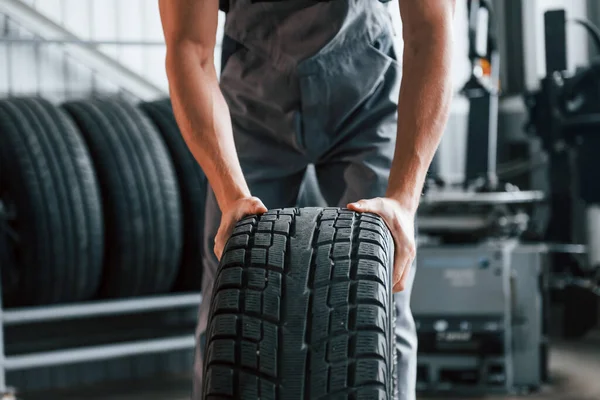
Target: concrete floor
575 370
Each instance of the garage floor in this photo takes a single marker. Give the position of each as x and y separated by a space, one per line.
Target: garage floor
575 376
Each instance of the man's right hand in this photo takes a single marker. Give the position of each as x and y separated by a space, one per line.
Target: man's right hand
238 210
190 28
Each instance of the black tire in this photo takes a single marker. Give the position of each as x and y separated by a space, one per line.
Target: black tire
140 197
192 184
8 266
303 309
49 184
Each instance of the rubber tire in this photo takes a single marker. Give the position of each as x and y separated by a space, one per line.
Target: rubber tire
48 173
140 197
8 268
192 184
303 308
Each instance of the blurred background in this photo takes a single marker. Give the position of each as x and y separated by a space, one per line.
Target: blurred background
101 207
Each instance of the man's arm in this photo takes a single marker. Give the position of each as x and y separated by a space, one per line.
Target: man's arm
202 114
424 102
425 94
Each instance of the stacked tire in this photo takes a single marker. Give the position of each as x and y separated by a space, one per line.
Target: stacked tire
99 198
140 195
192 186
49 186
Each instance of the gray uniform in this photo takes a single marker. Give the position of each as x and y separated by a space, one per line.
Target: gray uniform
312 82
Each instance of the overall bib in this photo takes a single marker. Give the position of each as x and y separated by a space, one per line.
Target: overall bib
312 82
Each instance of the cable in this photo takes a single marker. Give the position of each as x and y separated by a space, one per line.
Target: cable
592 30
579 84
518 168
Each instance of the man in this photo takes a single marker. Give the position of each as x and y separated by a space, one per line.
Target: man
313 82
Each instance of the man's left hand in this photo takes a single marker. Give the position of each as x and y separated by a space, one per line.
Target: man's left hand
400 222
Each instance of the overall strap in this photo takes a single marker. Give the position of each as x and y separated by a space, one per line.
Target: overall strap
224 4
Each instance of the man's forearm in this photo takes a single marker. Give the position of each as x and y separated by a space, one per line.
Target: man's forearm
424 103
203 117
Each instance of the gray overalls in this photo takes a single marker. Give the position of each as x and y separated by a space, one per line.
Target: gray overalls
312 82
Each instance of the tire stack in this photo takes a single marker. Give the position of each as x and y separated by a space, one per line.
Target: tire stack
99 198
49 183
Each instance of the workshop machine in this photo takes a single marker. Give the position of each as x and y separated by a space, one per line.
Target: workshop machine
480 292
565 114
480 296
479 311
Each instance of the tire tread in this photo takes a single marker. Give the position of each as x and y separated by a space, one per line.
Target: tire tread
309 292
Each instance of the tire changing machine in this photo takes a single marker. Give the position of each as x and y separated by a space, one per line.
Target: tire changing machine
479 294
481 316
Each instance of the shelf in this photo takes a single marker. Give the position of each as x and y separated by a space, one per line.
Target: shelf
97 353
20 316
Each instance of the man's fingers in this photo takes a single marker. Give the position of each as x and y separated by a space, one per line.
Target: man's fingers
253 206
218 250
404 259
256 206
407 267
410 258
219 246
402 252
400 225
363 206
376 206
248 206
399 264
400 284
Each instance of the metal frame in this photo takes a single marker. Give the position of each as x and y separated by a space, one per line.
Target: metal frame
23 316
97 353
510 28
490 198
38 40
561 163
531 53
482 128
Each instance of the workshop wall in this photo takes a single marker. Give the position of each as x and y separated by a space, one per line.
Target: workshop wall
121 21
132 27
48 70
